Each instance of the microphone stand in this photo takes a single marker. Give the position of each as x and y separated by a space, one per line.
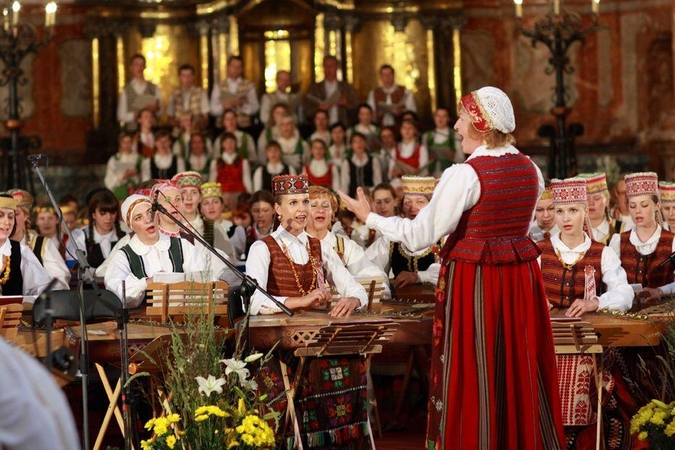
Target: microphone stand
83 272
49 322
122 322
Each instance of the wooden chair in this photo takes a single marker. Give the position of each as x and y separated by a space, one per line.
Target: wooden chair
10 318
374 288
167 300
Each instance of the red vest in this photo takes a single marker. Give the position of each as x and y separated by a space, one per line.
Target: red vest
643 269
494 231
326 180
281 281
563 285
413 161
230 176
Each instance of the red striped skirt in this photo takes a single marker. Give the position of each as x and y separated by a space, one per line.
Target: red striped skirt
493 370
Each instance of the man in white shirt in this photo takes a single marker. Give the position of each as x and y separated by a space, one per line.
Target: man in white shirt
281 96
390 100
189 100
235 93
338 98
138 94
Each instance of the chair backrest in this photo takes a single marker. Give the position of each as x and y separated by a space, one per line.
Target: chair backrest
165 300
374 287
10 318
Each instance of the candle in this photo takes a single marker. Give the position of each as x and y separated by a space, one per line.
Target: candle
519 8
596 6
16 7
50 14
556 7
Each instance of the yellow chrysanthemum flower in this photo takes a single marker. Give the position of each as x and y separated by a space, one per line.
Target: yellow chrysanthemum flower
642 436
171 441
173 418
149 424
146 445
201 417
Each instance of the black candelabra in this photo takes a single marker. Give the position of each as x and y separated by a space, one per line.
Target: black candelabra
558 30
17 40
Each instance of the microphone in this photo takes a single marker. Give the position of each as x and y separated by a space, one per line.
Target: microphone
36 157
670 259
155 205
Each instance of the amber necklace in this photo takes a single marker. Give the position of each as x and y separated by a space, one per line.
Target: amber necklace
295 273
569 266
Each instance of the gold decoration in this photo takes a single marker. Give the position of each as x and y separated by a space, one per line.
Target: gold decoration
312 285
5 264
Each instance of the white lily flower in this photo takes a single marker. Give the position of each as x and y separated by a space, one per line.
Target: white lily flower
253 357
238 367
210 384
250 385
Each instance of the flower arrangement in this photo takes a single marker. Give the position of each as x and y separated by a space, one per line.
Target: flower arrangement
214 403
655 424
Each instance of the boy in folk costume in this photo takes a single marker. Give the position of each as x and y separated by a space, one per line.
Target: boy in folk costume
409 267
366 127
138 95
235 93
189 100
297 270
360 168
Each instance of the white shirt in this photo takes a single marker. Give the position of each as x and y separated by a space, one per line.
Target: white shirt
104 240
345 172
406 150
619 295
269 100
273 169
198 163
203 102
162 162
155 259
537 234
457 191
361 234
322 135
319 168
337 153
240 136
229 158
35 277
601 231
378 253
124 114
355 260
250 107
35 413
266 135
117 165
238 239
258 264
288 150
52 261
408 103
331 87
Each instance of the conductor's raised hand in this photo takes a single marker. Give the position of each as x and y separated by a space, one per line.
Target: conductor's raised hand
360 206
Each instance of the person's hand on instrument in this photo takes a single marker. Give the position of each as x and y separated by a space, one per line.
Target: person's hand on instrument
581 306
344 307
406 278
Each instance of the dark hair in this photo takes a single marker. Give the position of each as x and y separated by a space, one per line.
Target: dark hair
337 125
385 187
262 195
125 134
271 144
137 56
227 135
103 200
67 198
321 141
364 105
5 195
386 66
162 134
186 67
321 111
228 111
329 57
356 134
235 57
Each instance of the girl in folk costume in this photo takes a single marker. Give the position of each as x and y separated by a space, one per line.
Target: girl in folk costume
20 271
602 225
147 253
410 157
321 172
211 207
145 144
103 232
122 173
198 156
645 247
493 365
231 170
442 143
271 131
262 177
297 270
47 223
544 226
338 148
620 212
44 249
163 164
359 169
321 130
409 267
366 127
262 216
323 205
293 149
384 202
190 184
245 143
667 195
582 275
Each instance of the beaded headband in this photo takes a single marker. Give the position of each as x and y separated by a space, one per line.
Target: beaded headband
188 179
8 203
290 184
667 191
595 182
416 185
212 189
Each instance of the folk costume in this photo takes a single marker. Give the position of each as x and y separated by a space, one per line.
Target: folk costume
536 233
667 197
236 234
364 170
321 172
641 260
263 175
289 266
596 183
410 154
444 149
590 270
161 167
234 175
494 382
240 88
114 173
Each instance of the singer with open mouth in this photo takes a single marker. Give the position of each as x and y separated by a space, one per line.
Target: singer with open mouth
646 251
